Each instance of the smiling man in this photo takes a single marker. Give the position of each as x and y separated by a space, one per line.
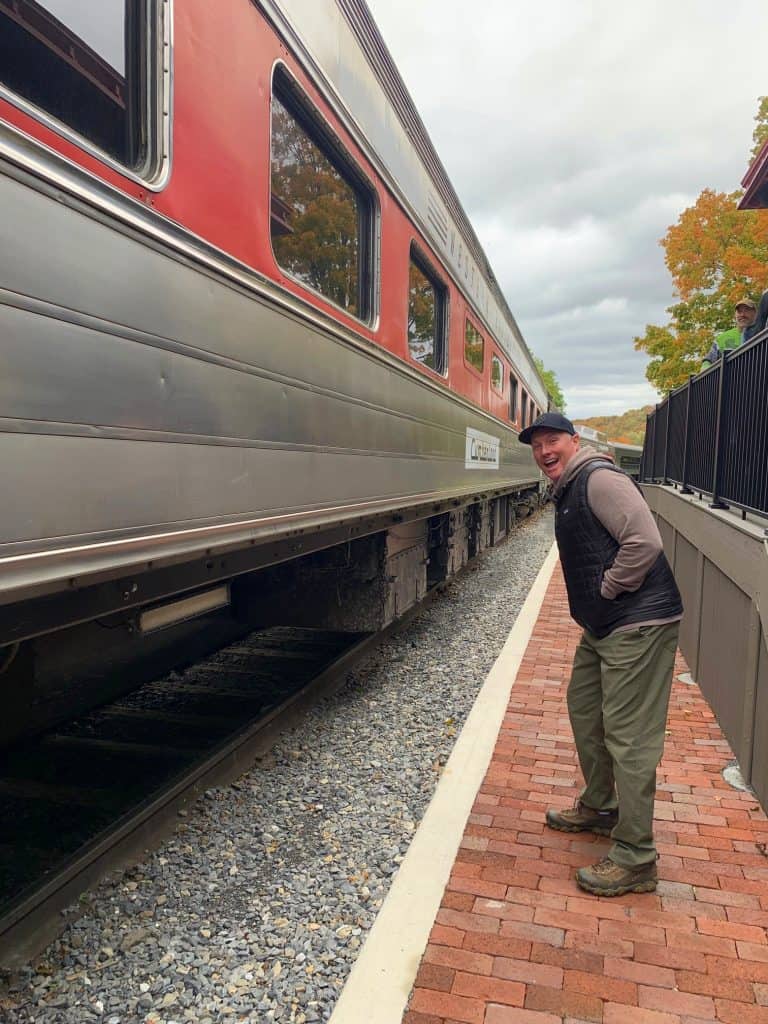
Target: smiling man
749 322
622 593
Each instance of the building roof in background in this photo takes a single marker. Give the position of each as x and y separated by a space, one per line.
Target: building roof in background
755 182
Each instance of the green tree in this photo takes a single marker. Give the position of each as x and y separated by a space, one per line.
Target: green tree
551 383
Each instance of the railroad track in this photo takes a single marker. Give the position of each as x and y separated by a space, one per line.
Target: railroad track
91 796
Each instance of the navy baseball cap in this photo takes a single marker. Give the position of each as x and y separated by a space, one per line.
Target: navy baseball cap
547 421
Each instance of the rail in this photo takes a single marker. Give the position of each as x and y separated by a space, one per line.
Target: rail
113 817
710 436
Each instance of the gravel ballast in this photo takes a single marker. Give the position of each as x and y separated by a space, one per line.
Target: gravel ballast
256 908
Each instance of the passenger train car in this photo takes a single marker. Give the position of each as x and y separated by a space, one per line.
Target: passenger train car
243 315
626 456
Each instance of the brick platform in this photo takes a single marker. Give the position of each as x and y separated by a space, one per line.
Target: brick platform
517 942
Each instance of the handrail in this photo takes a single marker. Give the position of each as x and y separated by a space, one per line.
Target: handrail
710 435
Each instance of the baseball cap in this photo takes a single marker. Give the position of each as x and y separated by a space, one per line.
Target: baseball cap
746 302
548 421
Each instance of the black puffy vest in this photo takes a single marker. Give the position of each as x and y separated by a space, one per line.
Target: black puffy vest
587 550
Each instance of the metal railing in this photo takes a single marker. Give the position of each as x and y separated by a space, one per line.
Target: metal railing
711 435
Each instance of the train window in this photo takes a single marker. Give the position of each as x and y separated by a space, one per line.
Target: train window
497 374
427 306
321 207
86 65
513 397
523 407
473 346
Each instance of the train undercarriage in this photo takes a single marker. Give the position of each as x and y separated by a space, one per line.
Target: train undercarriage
69 652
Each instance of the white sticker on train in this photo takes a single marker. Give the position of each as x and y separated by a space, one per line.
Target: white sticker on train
482 450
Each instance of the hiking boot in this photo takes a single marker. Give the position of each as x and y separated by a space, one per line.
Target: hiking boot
581 818
610 879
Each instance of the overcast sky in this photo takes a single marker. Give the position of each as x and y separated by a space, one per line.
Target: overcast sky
575 132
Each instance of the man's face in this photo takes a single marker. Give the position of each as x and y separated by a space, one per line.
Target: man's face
745 316
553 450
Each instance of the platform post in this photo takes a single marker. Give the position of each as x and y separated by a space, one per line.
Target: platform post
656 444
646 445
716 500
651 463
666 443
685 489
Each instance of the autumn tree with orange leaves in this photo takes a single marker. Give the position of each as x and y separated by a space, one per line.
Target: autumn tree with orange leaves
716 255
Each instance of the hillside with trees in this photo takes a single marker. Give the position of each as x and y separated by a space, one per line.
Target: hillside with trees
629 427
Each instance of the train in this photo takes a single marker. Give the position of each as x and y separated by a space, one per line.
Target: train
625 455
250 340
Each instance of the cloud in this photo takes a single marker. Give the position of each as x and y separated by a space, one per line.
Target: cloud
575 134
609 399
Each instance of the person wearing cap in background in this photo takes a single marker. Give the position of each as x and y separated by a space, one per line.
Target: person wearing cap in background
622 593
745 314
747 324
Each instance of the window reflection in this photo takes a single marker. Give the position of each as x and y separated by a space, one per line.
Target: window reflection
422 317
101 26
316 214
473 346
427 313
497 374
80 63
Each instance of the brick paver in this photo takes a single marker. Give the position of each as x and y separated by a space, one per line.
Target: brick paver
517 942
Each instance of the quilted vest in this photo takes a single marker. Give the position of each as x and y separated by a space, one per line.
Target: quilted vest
587 550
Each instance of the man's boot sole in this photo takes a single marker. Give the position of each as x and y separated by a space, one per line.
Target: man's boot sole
619 890
598 831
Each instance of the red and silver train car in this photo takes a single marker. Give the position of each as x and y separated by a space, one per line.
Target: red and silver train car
243 316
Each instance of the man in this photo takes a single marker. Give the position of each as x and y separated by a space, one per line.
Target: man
746 316
621 591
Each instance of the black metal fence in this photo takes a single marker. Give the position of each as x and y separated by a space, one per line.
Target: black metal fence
711 435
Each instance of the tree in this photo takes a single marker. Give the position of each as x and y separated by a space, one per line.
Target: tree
716 255
551 383
760 134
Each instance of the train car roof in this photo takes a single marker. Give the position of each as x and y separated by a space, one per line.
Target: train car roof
361 20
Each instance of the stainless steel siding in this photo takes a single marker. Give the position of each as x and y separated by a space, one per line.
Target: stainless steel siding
139 393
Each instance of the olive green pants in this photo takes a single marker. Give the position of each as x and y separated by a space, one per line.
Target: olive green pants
617 701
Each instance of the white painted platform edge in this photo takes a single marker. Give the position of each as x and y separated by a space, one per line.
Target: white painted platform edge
380 982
